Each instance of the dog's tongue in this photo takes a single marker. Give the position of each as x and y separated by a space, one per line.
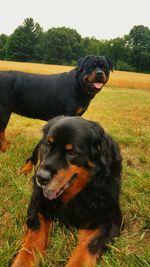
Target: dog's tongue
98 86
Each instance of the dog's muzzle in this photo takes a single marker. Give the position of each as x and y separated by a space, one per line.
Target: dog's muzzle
42 177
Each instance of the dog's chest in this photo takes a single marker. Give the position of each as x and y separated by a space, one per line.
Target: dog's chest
77 214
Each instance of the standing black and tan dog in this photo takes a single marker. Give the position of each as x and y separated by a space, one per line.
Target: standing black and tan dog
46 96
77 181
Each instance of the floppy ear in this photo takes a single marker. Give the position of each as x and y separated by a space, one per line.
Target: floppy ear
81 62
110 64
101 144
105 152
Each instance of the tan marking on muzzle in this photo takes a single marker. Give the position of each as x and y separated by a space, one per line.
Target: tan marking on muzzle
77 177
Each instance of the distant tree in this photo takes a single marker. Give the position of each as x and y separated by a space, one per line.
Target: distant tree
62 46
123 65
3 41
139 48
22 44
91 46
114 49
117 49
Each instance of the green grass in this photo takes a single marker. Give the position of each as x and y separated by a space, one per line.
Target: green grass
125 114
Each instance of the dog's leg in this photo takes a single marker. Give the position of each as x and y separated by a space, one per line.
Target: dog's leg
32 161
82 257
3 142
34 245
4 118
93 243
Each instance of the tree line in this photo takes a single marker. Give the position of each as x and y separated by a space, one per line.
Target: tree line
64 46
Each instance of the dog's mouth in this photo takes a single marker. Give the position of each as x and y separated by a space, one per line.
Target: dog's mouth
97 86
52 190
95 81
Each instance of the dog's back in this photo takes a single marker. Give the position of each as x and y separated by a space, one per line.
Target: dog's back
38 96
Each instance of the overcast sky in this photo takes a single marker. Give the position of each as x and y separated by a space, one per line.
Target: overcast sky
102 19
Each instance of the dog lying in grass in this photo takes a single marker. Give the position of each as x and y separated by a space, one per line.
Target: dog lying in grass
77 181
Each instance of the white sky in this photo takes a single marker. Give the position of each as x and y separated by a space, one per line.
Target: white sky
103 19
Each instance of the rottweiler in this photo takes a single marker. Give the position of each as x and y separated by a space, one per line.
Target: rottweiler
46 96
77 181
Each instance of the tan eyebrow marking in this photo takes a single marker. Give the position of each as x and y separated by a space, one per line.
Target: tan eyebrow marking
69 146
51 139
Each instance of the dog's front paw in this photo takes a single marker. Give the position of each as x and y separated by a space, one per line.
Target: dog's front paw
25 258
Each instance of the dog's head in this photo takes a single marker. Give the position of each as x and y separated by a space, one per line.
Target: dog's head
73 150
94 72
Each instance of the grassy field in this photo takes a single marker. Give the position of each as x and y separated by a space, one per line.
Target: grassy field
125 114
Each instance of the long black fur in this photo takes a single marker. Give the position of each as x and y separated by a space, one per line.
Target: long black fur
96 206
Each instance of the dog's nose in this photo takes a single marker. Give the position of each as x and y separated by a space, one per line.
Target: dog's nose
43 177
99 73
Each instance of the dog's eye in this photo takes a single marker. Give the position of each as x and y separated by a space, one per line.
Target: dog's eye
105 69
90 69
71 154
94 66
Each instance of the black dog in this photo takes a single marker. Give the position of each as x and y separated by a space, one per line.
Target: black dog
77 180
46 96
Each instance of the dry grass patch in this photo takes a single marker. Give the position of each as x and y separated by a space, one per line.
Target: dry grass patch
124 79
33 68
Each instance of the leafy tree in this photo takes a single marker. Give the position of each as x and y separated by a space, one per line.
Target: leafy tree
91 46
62 46
118 50
123 65
115 49
3 41
139 46
22 44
